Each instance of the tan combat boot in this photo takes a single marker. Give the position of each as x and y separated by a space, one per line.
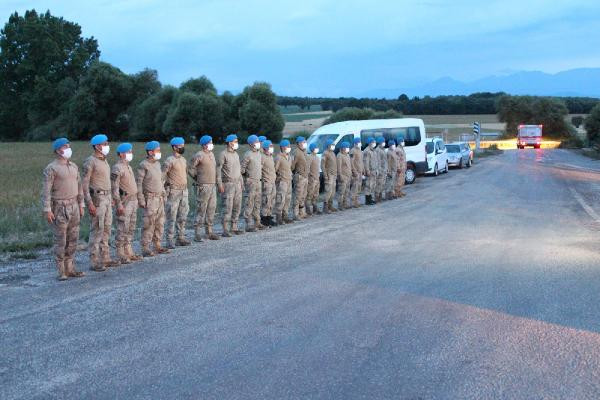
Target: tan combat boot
123 258
326 208
130 253
249 227
236 229
226 230
62 273
159 249
210 234
146 252
70 269
259 225
182 241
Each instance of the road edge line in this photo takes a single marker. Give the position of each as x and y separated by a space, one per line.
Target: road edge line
585 206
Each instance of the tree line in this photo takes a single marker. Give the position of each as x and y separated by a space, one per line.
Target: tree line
476 103
52 83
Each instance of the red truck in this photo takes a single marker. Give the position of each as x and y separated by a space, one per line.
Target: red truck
529 135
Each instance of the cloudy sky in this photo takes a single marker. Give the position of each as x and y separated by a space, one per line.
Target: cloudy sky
334 47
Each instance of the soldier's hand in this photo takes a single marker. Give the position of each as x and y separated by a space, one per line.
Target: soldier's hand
120 210
91 209
142 204
81 211
221 189
50 217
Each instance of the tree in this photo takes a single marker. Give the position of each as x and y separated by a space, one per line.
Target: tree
198 85
40 57
592 126
349 114
550 112
258 111
193 115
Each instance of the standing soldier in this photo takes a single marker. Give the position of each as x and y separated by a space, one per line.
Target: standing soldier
97 194
177 206
401 170
229 180
124 194
300 171
371 163
314 176
203 169
62 203
382 170
392 174
268 176
344 167
329 168
358 169
284 183
261 139
251 169
151 197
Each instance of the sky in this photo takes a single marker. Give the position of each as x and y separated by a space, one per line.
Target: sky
334 48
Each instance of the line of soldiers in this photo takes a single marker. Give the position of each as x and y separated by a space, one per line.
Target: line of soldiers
264 180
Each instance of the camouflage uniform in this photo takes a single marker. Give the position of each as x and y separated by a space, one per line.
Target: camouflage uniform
97 191
151 195
229 175
401 171
371 164
284 187
314 175
300 170
177 204
344 168
392 174
329 168
251 169
269 191
358 168
63 195
381 172
203 169
124 194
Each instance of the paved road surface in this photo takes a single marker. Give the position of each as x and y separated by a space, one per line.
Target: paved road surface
481 284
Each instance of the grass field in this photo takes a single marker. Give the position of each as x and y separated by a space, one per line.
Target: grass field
304 116
297 109
22 228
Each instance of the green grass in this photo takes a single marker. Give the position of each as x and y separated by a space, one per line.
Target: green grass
22 226
302 117
296 109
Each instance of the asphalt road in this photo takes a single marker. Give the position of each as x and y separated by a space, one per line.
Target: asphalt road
480 284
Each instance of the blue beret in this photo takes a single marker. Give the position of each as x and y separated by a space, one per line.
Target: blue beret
99 139
266 144
300 139
380 139
124 148
391 142
345 145
153 145
329 142
204 140
356 140
230 138
370 140
262 138
60 142
284 143
177 141
252 139
312 146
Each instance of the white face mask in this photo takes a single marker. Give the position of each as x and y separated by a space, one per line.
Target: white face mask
129 157
271 150
157 156
402 144
303 145
210 147
256 145
332 147
105 150
287 150
235 146
316 151
393 147
373 145
67 153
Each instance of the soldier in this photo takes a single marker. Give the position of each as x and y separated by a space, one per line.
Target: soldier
151 197
124 194
251 169
97 194
284 183
261 139
401 170
357 172
268 177
177 206
371 164
382 170
62 203
329 169
229 180
203 170
392 174
300 171
344 169
314 175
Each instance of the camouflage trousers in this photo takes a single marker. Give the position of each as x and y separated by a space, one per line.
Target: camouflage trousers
284 198
380 182
206 204
400 181
370 184
153 219
232 203
300 192
126 223
330 184
355 188
343 192
65 229
177 208
391 182
269 194
100 225
253 199
312 191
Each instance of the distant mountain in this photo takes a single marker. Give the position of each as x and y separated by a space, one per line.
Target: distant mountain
574 82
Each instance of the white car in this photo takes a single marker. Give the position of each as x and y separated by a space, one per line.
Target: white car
437 156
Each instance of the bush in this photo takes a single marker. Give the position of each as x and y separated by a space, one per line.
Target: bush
577 121
592 126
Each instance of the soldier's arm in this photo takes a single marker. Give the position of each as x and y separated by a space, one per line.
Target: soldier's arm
324 165
115 180
80 194
141 174
166 167
339 163
87 173
192 165
244 163
48 182
220 162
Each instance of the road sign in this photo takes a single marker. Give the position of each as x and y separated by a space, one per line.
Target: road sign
477 132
